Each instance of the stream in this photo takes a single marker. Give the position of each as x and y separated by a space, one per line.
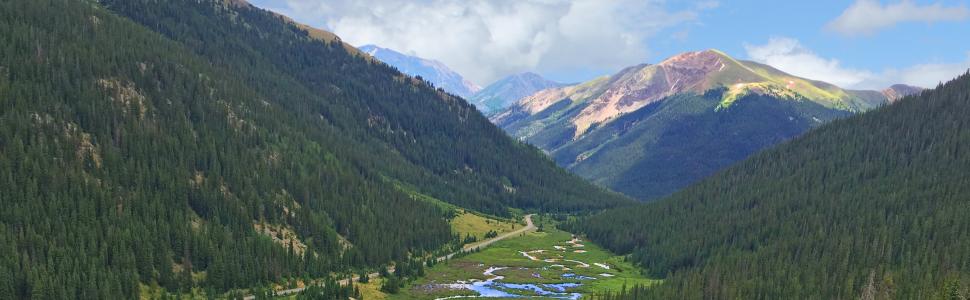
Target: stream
494 287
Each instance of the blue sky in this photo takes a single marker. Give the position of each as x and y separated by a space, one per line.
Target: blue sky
855 44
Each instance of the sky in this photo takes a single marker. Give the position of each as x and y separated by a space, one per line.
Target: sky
858 44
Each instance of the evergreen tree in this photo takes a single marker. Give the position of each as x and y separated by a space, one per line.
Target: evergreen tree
874 205
139 137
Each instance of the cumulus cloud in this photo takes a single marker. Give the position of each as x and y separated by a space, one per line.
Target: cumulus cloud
869 16
485 40
925 75
791 56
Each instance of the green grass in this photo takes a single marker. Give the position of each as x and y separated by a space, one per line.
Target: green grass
477 225
521 269
372 290
467 222
738 91
153 291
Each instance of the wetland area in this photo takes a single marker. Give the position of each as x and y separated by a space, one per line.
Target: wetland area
549 264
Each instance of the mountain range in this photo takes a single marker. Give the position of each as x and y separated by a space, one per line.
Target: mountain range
433 71
650 130
493 98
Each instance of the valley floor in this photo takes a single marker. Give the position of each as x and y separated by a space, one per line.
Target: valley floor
550 263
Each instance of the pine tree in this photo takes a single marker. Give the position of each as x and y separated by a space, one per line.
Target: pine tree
7 288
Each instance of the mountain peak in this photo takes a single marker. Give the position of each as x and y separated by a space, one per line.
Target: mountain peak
644 84
528 75
431 70
697 58
508 90
692 72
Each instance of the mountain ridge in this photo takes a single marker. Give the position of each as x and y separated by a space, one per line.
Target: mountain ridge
433 71
599 130
696 72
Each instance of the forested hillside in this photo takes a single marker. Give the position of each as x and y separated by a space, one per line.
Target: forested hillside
443 145
666 146
210 144
873 206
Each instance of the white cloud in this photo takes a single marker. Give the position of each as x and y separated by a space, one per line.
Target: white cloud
927 75
791 56
869 16
485 40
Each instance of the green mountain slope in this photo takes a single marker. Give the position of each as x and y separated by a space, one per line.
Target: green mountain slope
663 147
651 130
211 144
461 157
874 204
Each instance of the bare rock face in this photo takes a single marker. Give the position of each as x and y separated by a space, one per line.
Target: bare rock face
693 67
898 91
640 86
604 99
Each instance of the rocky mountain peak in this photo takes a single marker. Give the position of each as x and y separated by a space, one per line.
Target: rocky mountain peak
705 60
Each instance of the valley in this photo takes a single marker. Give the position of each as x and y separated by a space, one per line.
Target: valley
222 149
547 263
534 260
212 148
